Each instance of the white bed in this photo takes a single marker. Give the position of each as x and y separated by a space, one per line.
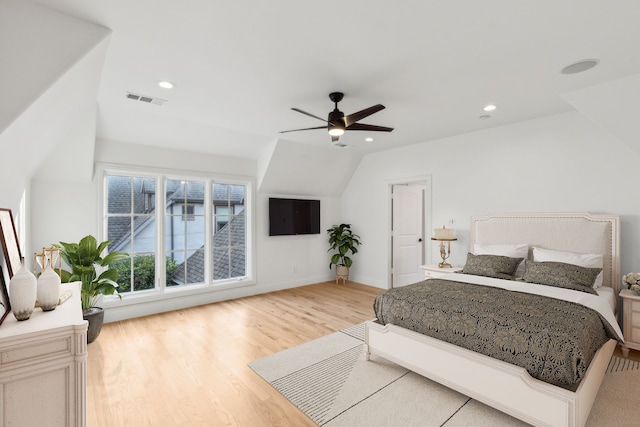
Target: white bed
501 385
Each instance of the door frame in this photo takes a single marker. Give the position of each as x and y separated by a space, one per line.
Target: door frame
422 180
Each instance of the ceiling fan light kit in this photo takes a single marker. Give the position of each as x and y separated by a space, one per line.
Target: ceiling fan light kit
338 123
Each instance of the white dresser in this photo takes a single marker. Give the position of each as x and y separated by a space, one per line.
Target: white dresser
43 367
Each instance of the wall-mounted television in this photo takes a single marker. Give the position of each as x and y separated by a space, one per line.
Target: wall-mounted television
293 216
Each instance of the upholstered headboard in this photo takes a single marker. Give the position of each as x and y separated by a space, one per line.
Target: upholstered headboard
575 232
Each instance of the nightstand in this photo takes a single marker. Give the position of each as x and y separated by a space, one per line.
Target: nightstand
432 271
631 321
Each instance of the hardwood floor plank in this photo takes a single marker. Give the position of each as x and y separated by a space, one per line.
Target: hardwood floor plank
189 367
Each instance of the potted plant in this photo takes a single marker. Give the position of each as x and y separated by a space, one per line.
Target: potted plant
342 240
97 277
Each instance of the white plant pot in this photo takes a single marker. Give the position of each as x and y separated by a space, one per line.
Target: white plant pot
342 273
22 293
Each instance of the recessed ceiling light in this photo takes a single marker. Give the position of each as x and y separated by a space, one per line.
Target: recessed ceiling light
166 84
489 107
484 117
368 139
580 66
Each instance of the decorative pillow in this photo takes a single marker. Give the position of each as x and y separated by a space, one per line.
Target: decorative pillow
498 266
575 258
513 251
561 275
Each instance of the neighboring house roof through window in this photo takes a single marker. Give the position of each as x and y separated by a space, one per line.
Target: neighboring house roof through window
225 265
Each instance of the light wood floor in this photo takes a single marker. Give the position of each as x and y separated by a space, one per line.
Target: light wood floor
189 367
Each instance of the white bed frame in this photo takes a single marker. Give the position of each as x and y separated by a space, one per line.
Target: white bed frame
504 386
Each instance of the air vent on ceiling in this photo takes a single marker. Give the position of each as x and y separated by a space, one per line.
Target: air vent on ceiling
144 98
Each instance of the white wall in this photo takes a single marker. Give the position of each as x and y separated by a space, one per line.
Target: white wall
154 157
38 47
305 170
51 66
559 163
288 261
614 105
69 210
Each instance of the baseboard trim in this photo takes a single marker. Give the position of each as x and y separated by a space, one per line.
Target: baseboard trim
174 301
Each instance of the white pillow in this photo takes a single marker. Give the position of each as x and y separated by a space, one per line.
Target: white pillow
513 251
575 258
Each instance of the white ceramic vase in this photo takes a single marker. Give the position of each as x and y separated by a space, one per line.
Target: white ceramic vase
22 293
48 289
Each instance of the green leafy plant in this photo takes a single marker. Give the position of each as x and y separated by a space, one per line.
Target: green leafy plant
88 266
144 272
342 240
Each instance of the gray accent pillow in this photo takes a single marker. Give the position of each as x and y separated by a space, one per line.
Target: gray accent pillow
561 275
498 266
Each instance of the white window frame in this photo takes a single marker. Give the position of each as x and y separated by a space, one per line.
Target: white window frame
161 291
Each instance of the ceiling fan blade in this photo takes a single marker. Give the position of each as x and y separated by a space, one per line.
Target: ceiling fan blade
362 126
310 115
352 118
295 130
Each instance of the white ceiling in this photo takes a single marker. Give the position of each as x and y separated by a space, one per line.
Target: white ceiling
240 66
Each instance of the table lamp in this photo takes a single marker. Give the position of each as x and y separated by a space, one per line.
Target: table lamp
444 235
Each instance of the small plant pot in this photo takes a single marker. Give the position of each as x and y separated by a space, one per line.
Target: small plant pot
95 317
342 273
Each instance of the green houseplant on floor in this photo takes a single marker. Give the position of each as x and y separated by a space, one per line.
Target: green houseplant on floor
95 272
343 241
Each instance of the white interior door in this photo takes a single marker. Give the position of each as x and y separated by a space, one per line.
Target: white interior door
407 234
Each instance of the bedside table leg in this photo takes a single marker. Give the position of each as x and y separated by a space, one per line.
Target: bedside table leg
625 352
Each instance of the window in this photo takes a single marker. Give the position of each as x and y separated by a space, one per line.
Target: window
197 226
130 219
229 238
185 231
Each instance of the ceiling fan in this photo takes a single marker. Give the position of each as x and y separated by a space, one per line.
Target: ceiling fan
338 123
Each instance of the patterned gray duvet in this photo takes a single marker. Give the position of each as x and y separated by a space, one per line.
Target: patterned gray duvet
554 340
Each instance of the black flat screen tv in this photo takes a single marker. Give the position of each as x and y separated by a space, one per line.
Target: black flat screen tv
293 216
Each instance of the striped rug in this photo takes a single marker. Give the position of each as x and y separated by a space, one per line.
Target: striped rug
618 364
329 380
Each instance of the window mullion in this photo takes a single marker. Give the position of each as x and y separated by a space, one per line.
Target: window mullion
161 197
229 236
185 230
208 230
131 216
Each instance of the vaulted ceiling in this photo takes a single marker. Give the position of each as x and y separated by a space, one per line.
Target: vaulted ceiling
239 66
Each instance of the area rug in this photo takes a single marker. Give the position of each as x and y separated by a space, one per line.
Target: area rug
329 380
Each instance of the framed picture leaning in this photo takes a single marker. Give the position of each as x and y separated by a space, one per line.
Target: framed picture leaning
5 304
9 241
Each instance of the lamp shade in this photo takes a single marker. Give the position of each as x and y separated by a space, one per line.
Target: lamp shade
443 233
